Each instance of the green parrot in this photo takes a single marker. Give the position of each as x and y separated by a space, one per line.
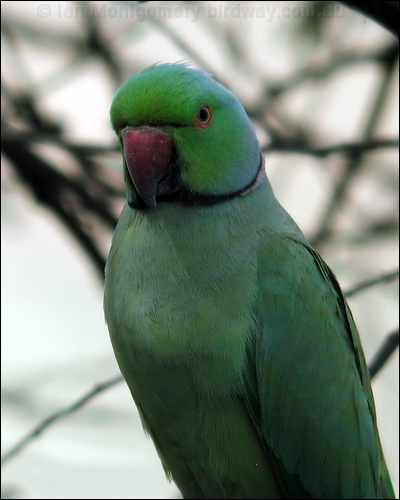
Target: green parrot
231 332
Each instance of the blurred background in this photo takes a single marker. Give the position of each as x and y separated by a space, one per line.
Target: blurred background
320 82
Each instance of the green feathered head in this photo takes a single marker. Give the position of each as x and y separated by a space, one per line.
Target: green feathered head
184 137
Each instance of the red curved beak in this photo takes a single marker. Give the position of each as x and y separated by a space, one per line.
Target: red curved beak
147 154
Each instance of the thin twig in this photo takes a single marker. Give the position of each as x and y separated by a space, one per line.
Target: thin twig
349 148
182 44
389 345
383 278
355 164
55 417
34 136
325 70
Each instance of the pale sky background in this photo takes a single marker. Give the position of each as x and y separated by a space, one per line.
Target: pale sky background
55 345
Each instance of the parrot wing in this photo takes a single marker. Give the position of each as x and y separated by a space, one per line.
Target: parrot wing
308 386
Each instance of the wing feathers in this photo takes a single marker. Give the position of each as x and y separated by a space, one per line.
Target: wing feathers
316 409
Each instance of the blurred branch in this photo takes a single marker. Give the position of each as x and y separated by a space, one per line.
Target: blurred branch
389 345
348 148
355 164
383 278
61 194
391 342
33 136
181 43
55 417
267 110
97 44
384 12
322 71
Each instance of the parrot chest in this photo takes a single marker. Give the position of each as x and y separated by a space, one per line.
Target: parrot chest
180 310
182 299
181 291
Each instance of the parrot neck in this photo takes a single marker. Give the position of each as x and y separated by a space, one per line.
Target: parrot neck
193 198
258 179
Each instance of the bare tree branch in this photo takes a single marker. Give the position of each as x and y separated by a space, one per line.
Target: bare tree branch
348 148
55 417
390 344
383 278
355 164
384 12
321 71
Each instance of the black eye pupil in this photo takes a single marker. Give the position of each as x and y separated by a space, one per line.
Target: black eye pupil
203 115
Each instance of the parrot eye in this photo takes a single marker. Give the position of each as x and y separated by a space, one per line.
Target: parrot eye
203 116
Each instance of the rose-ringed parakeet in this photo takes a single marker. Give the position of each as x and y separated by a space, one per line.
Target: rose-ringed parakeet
230 330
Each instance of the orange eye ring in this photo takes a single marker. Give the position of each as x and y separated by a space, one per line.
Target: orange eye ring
203 117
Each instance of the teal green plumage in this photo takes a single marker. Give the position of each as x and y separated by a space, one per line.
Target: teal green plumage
231 332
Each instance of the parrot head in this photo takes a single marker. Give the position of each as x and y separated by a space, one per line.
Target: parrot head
183 137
